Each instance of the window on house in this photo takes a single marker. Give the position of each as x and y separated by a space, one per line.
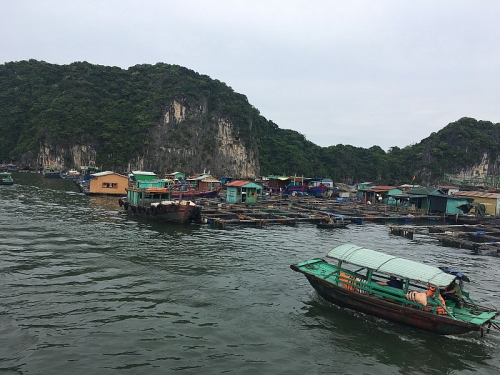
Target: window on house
109 185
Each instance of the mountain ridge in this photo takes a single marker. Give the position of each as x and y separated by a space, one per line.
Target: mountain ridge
166 117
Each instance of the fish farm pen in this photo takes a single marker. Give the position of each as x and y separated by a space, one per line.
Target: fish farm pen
292 211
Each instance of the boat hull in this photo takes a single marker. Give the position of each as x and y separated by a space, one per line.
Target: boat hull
387 310
6 179
318 190
51 175
195 194
331 225
173 212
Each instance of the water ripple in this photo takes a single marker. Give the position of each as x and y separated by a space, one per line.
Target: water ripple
84 287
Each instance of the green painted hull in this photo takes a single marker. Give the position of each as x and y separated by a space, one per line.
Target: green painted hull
391 303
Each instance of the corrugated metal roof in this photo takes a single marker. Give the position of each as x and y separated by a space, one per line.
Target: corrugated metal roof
105 173
382 188
425 190
391 265
476 194
144 173
237 183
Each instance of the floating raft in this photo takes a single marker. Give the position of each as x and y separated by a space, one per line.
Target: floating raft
295 211
471 237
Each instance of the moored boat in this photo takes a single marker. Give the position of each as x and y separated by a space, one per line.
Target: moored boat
296 189
72 174
49 172
195 194
180 212
150 200
332 224
358 281
333 221
6 178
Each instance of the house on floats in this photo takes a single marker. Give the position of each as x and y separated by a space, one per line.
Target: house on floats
242 191
278 184
203 182
491 201
143 176
449 189
106 183
430 200
380 194
175 176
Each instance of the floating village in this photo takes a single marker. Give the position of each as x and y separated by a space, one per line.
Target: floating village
468 219
361 279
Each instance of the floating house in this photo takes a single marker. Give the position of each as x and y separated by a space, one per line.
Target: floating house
449 189
380 194
175 176
345 191
107 183
430 200
203 182
447 204
209 183
491 201
241 191
277 184
143 176
420 198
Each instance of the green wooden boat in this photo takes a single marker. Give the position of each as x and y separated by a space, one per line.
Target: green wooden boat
151 199
6 178
353 280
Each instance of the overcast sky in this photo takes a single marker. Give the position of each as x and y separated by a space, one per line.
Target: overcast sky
361 73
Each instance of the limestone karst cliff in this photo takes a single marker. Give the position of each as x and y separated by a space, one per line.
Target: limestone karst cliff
184 139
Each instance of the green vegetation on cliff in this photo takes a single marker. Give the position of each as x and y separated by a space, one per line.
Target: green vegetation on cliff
115 109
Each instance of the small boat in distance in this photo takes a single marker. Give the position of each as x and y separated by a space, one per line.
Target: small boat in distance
49 172
332 224
72 174
333 221
359 280
6 178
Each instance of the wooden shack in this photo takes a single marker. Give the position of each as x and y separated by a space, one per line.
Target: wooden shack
277 184
175 176
491 201
241 191
380 194
107 183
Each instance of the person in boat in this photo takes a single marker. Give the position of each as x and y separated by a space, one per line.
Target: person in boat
453 292
392 282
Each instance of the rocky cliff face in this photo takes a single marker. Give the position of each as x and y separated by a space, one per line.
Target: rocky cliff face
189 141
479 170
185 140
487 168
60 157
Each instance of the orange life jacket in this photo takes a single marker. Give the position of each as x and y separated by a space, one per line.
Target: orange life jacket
431 292
347 281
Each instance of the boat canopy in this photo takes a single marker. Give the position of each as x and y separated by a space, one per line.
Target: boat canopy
391 265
